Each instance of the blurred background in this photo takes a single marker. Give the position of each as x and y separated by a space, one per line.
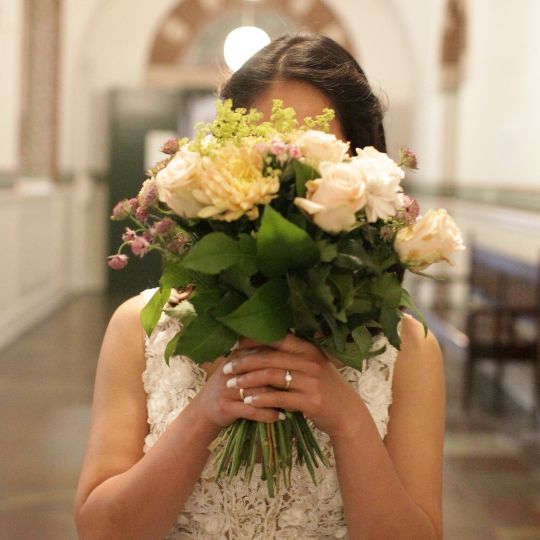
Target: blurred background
90 90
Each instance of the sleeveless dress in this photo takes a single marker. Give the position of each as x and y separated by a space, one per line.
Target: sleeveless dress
233 509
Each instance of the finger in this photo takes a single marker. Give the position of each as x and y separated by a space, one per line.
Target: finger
269 358
237 392
240 409
274 378
289 401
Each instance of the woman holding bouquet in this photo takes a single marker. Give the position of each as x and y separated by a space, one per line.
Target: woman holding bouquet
380 429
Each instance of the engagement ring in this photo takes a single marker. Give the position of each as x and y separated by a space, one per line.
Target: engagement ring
288 379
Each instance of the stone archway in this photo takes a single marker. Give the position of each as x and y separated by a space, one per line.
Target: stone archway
184 24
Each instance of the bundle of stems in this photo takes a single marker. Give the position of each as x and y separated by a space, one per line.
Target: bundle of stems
242 442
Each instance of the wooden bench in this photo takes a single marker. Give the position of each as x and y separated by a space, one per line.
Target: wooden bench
500 320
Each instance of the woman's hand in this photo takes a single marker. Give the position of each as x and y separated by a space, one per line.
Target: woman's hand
219 405
316 388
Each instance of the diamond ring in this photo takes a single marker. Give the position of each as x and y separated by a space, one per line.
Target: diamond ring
288 379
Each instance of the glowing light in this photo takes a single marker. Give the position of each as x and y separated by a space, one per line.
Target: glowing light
242 43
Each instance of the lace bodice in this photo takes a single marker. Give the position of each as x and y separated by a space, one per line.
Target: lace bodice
234 510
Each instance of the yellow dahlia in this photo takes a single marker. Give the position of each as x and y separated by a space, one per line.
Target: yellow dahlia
232 184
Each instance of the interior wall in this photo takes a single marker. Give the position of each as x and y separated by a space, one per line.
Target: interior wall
499 136
11 18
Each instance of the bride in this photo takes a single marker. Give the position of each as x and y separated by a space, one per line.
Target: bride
148 472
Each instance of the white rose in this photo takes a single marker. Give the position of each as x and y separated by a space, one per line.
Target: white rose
317 146
382 177
334 199
431 239
177 180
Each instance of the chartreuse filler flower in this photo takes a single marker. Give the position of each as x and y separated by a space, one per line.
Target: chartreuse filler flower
273 227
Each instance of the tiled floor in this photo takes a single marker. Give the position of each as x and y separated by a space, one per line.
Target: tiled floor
492 467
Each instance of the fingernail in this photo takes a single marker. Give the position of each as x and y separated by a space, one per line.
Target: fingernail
231 383
248 400
281 416
228 368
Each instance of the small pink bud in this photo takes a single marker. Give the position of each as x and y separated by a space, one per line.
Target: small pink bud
134 203
122 210
294 152
278 148
148 194
164 226
141 214
148 236
129 235
140 246
178 243
170 147
117 262
408 158
411 209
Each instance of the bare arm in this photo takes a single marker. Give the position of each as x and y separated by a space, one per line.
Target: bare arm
122 492
393 490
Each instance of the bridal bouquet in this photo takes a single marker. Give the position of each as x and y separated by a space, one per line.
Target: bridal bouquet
273 227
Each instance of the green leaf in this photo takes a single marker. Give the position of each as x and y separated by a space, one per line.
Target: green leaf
175 275
389 320
205 339
205 300
266 316
230 301
387 287
360 305
345 286
408 302
171 347
248 255
363 338
237 279
328 250
283 246
321 292
304 320
351 355
213 253
151 313
303 173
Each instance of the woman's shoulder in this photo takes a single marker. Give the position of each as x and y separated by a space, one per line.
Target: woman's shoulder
419 361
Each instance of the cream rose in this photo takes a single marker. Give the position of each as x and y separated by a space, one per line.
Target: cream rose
334 199
175 183
382 177
431 239
317 146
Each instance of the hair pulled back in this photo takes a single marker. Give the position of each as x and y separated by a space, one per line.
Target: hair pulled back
321 62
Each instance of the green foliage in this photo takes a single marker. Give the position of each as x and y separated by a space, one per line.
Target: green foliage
303 173
283 246
151 313
217 251
264 317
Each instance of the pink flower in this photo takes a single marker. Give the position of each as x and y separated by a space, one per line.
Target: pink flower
121 211
278 147
163 226
140 246
294 152
141 214
170 147
178 243
129 235
148 236
117 262
148 193
408 158
411 209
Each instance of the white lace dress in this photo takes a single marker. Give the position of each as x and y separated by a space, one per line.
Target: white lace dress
234 510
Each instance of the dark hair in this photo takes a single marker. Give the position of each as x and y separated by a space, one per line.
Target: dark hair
321 62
